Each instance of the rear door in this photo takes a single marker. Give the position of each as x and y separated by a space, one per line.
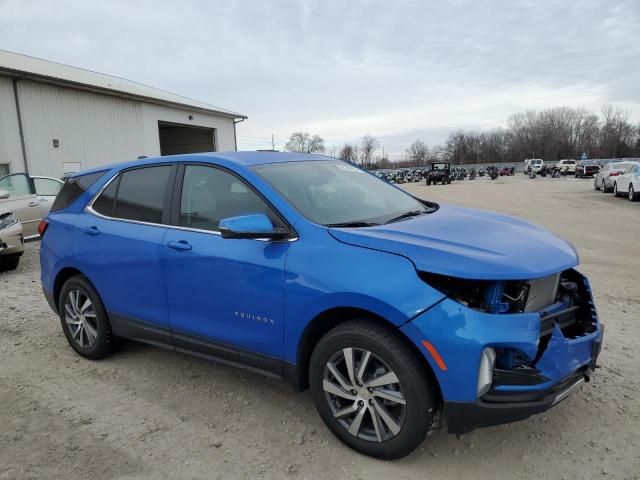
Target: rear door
23 202
119 241
47 190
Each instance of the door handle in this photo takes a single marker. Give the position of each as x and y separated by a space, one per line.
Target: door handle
33 204
91 230
181 245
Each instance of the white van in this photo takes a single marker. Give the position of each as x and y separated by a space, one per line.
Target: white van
534 163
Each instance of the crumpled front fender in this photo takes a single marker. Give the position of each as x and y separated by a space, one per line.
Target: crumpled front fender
459 334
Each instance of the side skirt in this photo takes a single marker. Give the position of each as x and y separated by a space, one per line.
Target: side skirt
204 348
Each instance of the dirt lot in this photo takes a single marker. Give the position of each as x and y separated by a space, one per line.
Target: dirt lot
150 413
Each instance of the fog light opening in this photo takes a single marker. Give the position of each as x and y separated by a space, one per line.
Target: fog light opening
485 373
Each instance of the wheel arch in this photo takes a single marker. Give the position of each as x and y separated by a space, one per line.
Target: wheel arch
62 276
331 318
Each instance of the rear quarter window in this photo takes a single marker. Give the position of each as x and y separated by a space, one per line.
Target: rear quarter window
73 188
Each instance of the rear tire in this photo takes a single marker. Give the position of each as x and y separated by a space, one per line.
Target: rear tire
632 194
386 428
84 319
604 187
615 190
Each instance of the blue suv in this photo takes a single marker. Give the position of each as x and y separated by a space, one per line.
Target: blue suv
392 310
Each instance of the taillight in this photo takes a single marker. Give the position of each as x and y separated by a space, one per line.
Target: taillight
614 174
42 227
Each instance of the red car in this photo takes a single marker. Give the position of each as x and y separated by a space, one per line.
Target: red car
506 171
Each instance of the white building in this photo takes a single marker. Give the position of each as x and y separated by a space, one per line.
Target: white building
56 119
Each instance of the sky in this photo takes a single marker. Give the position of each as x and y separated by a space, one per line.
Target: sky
399 70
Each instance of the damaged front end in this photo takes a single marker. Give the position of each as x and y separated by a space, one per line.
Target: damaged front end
511 348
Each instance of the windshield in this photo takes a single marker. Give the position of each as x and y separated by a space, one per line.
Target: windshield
334 193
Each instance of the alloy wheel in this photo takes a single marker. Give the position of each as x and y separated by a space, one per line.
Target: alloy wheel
364 395
80 315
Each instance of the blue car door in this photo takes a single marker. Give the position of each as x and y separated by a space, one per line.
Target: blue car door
222 293
119 240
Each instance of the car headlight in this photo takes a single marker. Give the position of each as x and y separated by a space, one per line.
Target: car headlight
485 372
7 219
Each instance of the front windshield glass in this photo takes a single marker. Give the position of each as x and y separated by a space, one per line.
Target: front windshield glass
334 193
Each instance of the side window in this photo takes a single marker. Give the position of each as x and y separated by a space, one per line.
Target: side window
141 194
104 203
73 188
16 184
210 195
47 187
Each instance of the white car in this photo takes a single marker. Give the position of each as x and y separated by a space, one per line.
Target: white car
629 182
29 198
604 179
11 241
567 167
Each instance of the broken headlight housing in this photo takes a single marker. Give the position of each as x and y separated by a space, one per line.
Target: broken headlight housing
498 296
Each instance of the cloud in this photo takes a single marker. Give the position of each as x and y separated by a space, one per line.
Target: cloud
342 69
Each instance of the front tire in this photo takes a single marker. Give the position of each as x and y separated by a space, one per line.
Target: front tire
10 262
632 195
615 190
371 391
84 319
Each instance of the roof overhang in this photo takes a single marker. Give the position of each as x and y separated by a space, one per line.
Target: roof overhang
30 68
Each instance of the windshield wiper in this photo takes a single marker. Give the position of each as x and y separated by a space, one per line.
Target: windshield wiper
352 224
412 213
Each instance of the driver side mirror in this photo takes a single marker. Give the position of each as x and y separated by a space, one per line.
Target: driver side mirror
253 226
4 194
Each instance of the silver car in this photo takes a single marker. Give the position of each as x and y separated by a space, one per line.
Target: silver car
29 198
605 178
11 241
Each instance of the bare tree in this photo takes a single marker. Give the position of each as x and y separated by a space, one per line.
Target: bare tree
368 147
303 142
418 153
349 153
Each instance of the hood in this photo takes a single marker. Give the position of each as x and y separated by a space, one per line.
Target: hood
466 243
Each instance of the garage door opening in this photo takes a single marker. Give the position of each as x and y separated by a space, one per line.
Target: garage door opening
176 139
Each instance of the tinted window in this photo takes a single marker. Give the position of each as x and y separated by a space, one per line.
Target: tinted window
141 194
104 203
47 187
73 188
210 195
16 184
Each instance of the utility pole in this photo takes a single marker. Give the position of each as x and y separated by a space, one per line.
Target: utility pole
273 143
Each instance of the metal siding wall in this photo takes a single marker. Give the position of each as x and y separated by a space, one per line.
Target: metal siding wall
10 148
92 129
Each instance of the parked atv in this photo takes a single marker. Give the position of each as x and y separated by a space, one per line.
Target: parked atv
439 172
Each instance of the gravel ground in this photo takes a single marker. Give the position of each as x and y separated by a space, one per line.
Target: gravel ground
151 413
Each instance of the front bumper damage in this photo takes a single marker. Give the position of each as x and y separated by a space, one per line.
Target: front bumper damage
546 355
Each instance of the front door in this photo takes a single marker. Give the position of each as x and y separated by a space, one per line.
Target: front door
23 202
222 292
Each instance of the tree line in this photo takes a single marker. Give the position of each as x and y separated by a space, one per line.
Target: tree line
552 134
